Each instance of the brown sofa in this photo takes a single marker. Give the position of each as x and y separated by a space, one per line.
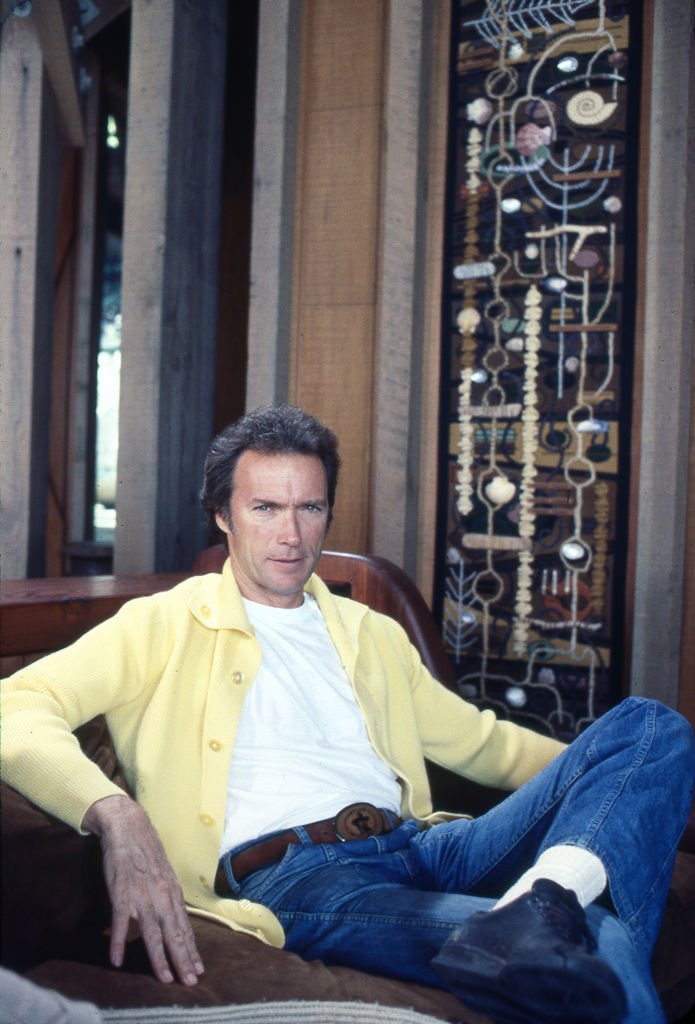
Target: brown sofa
55 911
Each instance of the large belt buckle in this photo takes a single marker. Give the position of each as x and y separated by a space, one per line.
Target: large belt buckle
358 821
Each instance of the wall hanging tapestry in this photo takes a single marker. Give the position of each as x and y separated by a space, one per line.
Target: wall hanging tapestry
538 326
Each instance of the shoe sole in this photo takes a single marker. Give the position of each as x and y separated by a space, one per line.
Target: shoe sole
530 994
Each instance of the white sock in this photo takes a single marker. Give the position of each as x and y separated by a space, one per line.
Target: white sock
572 867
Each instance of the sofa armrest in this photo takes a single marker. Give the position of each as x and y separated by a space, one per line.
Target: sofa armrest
52 879
51 882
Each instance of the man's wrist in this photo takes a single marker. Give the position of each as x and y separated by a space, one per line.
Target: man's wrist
102 814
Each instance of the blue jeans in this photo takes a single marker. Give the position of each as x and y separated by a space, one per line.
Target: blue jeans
386 904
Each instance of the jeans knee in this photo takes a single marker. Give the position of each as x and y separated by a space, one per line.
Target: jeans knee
678 729
668 724
682 737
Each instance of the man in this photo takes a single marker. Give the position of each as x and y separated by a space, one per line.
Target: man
274 737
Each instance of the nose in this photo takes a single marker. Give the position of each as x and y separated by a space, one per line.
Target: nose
290 533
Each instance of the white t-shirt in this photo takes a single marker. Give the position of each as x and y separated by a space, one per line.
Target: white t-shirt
302 752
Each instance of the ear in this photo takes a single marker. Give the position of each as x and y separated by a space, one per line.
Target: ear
222 523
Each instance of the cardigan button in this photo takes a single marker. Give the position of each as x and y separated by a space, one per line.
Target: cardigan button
237 678
215 745
207 819
205 610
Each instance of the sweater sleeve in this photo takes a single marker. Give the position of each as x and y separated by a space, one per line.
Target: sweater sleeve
42 704
472 742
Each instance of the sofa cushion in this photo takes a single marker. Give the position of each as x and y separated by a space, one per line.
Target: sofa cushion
673 963
239 969
52 882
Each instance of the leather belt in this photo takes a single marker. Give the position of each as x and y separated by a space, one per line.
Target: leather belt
356 821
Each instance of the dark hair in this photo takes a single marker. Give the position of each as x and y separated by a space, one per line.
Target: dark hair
272 430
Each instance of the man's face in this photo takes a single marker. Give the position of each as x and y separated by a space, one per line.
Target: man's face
277 523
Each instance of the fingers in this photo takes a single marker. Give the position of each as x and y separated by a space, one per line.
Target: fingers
143 887
119 930
165 929
167 934
172 942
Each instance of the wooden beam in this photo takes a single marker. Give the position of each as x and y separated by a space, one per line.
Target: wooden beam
169 282
87 315
21 74
274 173
336 241
56 20
28 186
399 371
665 358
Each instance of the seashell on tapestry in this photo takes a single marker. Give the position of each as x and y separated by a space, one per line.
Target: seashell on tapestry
612 204
500 490
468 319
479 110
515 696
589 108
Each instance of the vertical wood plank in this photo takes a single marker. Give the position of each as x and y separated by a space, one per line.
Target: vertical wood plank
28 151
86 319
169 283
55 22
272 242
336 238
333 397
142 298
686 689
406 374
61 363
437 122
666 397
398 367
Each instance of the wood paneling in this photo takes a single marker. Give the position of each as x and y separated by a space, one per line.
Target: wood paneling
438 124
364 351
56 20
61 389
686 690
665 359
336 238
335 385
169 284
406 369
340 207
274 173
28 155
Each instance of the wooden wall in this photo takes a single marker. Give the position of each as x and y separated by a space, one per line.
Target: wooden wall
346 240
337 238
61 412
170 279
660 591
359 147
29 152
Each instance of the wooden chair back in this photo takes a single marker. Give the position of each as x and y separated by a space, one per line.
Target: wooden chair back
42 615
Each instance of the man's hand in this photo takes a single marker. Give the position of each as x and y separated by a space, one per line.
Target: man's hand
143 886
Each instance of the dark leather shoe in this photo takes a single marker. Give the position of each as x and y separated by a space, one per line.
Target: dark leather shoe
532 962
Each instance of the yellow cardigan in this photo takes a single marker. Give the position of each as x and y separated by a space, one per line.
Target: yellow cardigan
171 672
